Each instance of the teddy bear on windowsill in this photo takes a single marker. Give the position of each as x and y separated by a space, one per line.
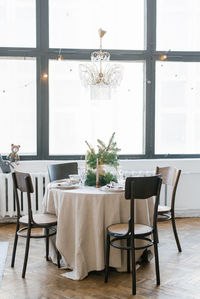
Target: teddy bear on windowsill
13 156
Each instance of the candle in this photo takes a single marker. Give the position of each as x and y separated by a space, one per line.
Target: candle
97 174
86 162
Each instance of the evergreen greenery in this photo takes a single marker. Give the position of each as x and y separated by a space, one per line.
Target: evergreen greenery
103 179
106 154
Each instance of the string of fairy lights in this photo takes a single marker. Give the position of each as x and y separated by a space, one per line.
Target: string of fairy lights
44 76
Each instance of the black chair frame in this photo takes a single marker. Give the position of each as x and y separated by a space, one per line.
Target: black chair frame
23 183
137 188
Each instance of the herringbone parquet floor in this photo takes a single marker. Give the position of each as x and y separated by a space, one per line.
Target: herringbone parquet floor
180 272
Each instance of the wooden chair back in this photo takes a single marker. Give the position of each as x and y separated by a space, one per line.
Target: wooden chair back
22 182
143 188
170 177
62 171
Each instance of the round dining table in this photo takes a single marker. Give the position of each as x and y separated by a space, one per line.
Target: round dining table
83 215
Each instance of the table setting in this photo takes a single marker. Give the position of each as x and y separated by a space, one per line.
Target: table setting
86 204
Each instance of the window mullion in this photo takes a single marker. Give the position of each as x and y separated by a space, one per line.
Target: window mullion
150 41
42 82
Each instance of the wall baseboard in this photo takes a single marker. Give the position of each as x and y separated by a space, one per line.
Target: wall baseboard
8 220
187 213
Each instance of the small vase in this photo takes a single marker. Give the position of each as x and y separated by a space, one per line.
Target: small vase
101 169
104 176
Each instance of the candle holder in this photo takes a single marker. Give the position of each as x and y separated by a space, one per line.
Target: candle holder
97 174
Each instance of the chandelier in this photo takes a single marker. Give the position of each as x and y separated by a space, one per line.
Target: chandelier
100 75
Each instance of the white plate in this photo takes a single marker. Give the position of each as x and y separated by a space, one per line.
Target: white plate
113 189
65 186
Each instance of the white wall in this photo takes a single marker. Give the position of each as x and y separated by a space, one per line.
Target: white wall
188 191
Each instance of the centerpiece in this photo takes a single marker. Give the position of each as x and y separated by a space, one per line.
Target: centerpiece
96 162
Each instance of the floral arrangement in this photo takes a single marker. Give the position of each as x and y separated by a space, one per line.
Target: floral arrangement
106 155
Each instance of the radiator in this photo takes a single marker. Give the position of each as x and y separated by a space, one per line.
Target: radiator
40 181
7 202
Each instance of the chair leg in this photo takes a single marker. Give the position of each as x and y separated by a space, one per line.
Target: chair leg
156 261
107 258
175 232
157 236
15 246
26 252
133 270
128 256
58 258
47 243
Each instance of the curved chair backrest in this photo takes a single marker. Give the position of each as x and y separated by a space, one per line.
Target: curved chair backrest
143 188
170 176
62 171
22 182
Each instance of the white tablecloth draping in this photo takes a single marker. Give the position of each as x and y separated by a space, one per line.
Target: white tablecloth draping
83 216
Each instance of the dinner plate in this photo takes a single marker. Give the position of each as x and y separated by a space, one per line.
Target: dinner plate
112 189
65 186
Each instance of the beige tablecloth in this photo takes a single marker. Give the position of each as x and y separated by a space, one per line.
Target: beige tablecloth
83 215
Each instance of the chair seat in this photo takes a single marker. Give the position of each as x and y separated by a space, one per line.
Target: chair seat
41 219
122 228
163 209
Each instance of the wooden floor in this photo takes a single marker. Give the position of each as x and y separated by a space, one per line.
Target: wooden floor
180 272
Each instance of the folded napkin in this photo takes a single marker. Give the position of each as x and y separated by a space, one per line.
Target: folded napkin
114 185
65 183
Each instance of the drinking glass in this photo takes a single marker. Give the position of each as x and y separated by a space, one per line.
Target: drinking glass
83 175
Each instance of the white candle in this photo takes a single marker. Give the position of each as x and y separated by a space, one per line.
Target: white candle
97 174
86 162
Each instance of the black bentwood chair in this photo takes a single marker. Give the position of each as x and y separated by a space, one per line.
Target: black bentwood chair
22 182
62 171
136 188
170 179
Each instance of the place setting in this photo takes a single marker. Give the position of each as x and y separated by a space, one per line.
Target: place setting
73 182
113 187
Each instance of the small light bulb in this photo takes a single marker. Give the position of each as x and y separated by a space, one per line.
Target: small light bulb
163 57
59 57
45 76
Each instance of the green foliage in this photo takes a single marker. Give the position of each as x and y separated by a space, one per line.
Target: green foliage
91 178
105 155
103 179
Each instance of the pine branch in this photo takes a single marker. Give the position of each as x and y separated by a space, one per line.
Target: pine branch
101 143
110 142
91 149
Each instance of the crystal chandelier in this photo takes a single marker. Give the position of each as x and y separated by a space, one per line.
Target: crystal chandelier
100 75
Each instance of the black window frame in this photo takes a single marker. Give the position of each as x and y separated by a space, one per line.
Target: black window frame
149 55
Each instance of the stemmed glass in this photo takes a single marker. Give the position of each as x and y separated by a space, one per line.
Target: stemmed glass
120 176
83 174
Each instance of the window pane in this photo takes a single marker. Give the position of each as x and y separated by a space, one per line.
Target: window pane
75 23
17 23
74 117
177 108
178 25
18 105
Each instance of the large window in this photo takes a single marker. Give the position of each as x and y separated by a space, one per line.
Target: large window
74 23
155 112
18 105
177 108
17 23
74 117
178 25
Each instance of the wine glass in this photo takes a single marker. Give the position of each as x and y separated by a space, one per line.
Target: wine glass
83 175
120 176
